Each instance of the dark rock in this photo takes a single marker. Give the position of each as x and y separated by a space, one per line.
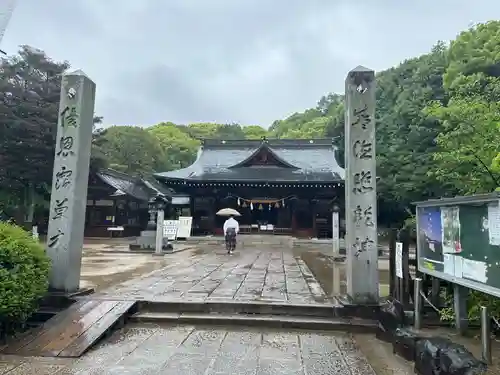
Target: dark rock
404 342
455 359
383 335
427 352
391 315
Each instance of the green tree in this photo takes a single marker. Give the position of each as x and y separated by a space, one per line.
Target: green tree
466 160
30 85
202 130
254 132
314 128
179 149
468 145
405 132
280 128
229 131
474 68
132 150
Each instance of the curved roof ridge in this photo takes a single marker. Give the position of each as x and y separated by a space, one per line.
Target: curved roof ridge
264 145
276 142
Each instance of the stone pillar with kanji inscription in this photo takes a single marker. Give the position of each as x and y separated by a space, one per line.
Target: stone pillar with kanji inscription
360 187
70 181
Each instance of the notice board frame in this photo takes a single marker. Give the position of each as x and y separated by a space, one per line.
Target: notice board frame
480 200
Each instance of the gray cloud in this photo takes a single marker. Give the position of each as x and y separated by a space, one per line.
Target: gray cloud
230 61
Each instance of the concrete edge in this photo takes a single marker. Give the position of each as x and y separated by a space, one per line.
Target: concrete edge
239 307
268 321
147 252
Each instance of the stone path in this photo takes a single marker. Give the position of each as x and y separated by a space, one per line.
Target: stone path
186 350
264 275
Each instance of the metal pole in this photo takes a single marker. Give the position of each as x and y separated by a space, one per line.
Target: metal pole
485 335
417 303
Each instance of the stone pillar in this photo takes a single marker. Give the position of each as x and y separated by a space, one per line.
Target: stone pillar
151 222
361 189
313 205
159 232
70 180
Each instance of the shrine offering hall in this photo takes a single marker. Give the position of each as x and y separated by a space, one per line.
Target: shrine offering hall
280 186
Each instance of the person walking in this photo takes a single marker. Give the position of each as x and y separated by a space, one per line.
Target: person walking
231 229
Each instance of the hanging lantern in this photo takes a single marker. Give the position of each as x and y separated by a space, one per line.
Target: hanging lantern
269 206
277 205
251 205
239 203
283 203
244 205
261 207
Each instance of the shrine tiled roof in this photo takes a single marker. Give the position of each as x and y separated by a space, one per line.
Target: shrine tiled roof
293 161
139 188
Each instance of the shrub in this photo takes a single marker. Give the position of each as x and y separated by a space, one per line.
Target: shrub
474 302
24 274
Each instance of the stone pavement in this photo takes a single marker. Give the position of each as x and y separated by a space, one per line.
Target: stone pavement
253 274
269 275
186 350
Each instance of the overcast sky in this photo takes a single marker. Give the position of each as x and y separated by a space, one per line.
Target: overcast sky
244 61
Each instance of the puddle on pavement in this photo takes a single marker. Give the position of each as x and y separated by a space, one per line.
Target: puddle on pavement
322 267
97 261
199 251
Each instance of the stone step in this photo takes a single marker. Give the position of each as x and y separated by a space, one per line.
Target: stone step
240 307
259 320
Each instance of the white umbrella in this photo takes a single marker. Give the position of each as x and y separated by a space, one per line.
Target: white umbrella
228 212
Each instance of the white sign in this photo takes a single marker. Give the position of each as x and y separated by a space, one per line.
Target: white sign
170 229
335 233
185 224
493 225
35 232
399 259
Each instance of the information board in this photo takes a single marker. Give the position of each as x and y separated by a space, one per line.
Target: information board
170 229
458 240
184 229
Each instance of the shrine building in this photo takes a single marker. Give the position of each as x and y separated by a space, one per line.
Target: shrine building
280 186
116 199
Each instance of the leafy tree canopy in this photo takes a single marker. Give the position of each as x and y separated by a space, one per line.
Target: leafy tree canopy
132 149
437 121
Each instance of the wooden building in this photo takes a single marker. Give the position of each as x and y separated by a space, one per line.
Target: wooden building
115 199
280 186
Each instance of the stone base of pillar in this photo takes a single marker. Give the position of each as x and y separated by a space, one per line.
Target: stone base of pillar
365 310
61 299
147 241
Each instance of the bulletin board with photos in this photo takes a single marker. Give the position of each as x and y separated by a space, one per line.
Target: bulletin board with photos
458 240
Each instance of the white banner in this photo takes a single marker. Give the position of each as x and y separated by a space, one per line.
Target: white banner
335 233
170 229
399 260
185 224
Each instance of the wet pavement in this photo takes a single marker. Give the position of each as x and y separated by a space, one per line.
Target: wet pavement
106 262
253 274
265 275
187 350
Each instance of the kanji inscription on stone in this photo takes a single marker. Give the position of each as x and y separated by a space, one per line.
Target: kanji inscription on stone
70 181
361 189
362 149
363 216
